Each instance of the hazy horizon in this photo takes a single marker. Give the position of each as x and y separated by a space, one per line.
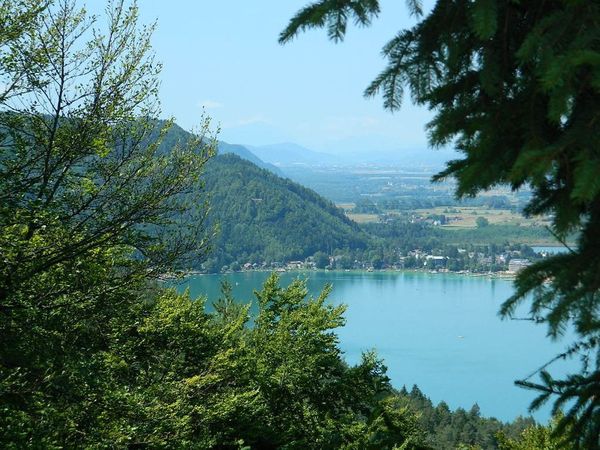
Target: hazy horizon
260 93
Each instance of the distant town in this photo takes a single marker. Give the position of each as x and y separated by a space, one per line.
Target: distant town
506 263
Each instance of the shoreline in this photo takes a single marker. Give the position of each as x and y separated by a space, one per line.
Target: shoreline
504 275
491 275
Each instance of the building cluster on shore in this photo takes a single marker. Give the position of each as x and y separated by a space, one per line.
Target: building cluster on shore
458 260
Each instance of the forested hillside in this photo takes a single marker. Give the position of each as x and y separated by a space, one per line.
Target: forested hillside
262 217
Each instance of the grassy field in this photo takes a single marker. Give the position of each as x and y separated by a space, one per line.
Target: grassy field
357 217
466 216
363 218
505 225
497 234
458 217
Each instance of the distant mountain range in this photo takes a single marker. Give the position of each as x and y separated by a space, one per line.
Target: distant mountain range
176 133
277 157
293 155
244 153
289 154
433 159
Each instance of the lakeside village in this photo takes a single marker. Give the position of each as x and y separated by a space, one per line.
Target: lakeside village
476 261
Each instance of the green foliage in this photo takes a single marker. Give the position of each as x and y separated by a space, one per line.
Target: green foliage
161 372
333 15
80 155
365 206
515 87
19 18
482 222
90 211
460 429
536 437
313 399
321 260
393 423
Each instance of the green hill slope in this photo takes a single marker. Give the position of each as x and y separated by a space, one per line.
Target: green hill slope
265 218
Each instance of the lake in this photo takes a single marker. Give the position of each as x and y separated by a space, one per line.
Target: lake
550 250
439 331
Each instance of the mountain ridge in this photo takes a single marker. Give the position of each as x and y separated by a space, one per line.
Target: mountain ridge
289 153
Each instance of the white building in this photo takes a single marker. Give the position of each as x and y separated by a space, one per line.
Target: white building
514 265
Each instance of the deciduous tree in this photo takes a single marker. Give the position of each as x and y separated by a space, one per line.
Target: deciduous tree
80 150
92 208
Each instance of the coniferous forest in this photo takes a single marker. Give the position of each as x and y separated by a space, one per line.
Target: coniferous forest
100 199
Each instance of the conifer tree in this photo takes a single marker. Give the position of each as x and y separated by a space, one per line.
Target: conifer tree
515 87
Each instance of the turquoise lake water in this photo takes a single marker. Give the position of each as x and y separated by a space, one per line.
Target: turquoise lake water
551 250
439 331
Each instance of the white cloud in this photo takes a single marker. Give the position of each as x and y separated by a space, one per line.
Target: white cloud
210 104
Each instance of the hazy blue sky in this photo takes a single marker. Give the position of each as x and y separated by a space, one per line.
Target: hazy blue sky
224 55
